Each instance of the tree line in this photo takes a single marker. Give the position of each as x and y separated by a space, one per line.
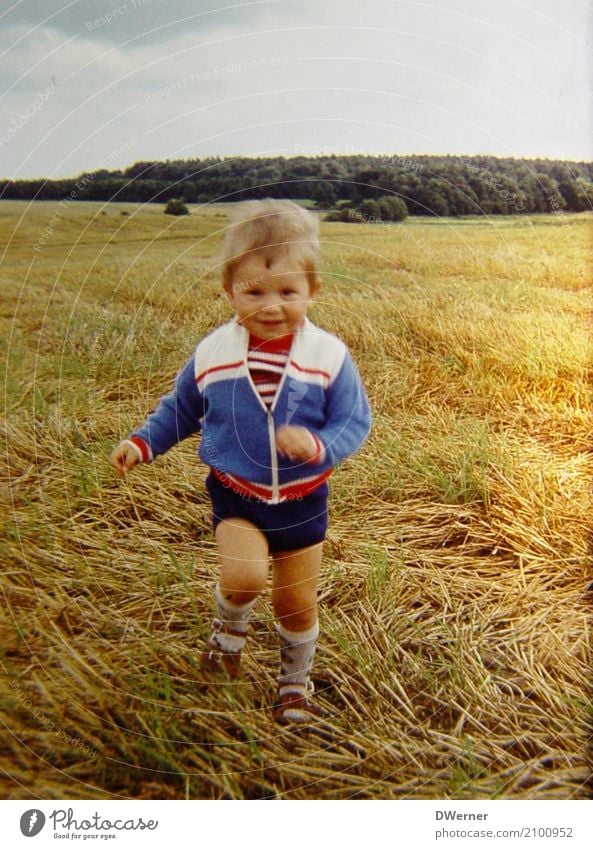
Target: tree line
427 185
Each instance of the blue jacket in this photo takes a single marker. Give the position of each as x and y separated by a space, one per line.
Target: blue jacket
320 390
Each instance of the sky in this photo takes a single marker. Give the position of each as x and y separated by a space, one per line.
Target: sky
89 84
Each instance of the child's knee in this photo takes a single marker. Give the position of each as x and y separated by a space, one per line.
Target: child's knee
243 586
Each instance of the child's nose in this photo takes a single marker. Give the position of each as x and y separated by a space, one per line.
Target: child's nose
271 303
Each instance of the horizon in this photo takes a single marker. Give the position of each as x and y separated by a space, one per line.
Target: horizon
383 155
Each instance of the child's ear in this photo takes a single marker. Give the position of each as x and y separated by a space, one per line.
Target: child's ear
229 296
314 282
227 280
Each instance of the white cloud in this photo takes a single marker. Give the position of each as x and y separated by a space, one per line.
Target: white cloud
383 76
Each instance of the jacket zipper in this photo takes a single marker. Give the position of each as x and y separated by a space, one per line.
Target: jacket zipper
274 458
270 415
272 429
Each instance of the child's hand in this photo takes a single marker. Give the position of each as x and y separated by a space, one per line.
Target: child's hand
124 458
297 444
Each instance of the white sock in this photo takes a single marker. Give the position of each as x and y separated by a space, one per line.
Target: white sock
235 617
297 650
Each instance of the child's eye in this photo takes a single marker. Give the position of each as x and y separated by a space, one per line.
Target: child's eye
255 292
287 292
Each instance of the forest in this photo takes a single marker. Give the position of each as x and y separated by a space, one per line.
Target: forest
427 185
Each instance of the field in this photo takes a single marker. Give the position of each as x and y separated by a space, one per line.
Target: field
456 593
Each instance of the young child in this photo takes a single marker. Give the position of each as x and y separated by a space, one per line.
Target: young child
279 403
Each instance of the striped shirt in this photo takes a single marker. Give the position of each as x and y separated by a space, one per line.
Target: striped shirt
266 360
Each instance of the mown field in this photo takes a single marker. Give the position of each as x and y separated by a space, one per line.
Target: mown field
456 594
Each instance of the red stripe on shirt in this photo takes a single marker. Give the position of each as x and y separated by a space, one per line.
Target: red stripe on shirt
267 373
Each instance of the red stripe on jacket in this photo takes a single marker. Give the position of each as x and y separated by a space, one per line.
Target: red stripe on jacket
218 368
290 491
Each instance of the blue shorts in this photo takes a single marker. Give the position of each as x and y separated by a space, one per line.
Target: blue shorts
286 526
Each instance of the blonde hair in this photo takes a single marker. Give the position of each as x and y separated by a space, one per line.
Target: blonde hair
272 227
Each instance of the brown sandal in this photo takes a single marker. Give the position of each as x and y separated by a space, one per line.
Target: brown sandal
295 706
214 660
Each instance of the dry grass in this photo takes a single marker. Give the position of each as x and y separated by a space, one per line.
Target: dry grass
455 613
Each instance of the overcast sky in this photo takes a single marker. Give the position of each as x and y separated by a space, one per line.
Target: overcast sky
103 83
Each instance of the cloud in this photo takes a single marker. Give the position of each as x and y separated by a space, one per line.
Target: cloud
276 76
149 21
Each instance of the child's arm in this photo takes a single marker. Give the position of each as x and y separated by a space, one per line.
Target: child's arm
177 416
348 416
347 425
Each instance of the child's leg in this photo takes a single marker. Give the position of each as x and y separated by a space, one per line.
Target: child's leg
294 598
244 564
243 554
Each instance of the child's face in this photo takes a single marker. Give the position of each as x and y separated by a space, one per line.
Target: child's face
270 294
